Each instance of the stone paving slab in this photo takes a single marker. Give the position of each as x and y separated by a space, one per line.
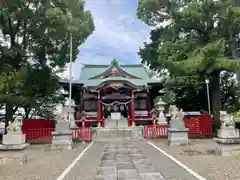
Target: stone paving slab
123 161
126 160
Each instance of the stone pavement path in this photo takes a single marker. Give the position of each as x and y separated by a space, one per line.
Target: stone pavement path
123 161
126 160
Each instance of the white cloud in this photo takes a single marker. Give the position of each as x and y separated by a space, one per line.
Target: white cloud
118 34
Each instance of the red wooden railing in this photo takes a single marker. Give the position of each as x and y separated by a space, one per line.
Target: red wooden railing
92 118
155 131
83 135
202 125
39 135
206 124
193 125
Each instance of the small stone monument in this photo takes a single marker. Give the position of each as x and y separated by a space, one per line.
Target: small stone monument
161 120
228 136
62 136
14 139
177 133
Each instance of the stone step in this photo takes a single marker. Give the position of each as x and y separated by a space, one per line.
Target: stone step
113 133
116 123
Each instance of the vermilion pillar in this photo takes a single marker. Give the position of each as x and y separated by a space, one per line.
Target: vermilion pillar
132 110
99 111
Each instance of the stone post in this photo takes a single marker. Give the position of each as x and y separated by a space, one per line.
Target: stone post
14 139
228 139
62 136
177 133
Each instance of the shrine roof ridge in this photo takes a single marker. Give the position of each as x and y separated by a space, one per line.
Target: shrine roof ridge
107 65
92 75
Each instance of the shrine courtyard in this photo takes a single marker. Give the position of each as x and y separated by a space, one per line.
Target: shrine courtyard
124 160
112 112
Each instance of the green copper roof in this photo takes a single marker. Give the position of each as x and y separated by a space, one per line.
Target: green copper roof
139 74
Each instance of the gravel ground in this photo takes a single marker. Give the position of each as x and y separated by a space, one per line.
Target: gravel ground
86 167
200 156
168 169
42 163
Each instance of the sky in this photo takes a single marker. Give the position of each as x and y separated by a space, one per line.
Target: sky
118 34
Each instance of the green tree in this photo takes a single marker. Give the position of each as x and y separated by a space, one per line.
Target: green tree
36 35
190 42
40 87
229 92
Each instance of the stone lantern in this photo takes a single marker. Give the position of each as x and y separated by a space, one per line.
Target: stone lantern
160 107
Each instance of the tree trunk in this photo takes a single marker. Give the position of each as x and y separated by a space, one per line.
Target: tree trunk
216 97
27 112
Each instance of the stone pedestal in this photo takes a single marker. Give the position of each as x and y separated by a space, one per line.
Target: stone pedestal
177 133
228 146
14 141
228 133
62 136
228 141
177 136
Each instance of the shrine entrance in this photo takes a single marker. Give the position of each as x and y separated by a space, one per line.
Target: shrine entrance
116 102
116 113
115 107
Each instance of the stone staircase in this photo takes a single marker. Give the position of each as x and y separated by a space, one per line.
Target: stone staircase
105 134
113 123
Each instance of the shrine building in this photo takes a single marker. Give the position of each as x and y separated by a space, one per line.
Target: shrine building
114 91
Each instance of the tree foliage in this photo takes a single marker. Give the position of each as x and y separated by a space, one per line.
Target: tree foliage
191 41
34 43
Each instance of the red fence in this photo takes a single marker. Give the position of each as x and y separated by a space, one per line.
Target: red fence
45 135
38 130
82 134
206 124
197 125
39 135
37 124
156 131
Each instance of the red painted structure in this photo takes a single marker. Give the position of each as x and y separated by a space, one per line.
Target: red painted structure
39 131
115 85
42 135
198 126
37 124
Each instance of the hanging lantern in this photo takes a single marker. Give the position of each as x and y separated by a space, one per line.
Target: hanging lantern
121 107
115 107
109 108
